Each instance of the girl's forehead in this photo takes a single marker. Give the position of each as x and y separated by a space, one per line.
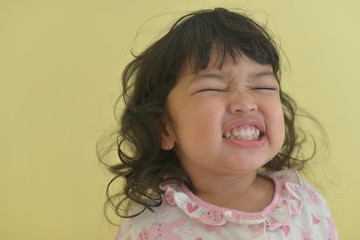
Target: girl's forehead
221 62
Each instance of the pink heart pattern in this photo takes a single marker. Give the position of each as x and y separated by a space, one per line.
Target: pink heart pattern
191 208
314 219
285 229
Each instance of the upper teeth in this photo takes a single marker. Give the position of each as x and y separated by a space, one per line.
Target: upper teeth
243 132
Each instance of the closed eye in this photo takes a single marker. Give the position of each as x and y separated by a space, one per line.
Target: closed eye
266 88
210 90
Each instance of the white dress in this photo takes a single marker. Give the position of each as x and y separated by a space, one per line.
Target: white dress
297 211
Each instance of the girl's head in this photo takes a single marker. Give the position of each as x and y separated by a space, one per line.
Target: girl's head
227 119
163 92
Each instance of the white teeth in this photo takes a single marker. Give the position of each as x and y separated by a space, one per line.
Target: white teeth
243 133
235 132
227 135
249 131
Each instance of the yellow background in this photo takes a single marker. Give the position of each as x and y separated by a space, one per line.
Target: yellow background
60 64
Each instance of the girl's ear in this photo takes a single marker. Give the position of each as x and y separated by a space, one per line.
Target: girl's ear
167 134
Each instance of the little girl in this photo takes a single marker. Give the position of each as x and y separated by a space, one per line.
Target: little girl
207 141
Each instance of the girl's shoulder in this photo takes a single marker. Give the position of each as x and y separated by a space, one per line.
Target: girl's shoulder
291 186
312 218
295 186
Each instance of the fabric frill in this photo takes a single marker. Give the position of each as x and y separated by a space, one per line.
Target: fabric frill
285 204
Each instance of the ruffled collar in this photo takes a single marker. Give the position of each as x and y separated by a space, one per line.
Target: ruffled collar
284 205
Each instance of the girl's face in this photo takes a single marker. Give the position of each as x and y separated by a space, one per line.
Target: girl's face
228 121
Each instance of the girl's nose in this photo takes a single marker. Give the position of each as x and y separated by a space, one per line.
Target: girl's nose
242 103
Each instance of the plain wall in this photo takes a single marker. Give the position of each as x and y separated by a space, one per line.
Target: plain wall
60 65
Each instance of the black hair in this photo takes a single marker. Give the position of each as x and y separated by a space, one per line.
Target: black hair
151 75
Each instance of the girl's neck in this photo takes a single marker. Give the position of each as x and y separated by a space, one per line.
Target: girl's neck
248 193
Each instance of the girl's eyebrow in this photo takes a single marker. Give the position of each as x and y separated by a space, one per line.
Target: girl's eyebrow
256 75
252 76
206 75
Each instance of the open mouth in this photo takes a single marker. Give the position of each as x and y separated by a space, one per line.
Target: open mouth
244 133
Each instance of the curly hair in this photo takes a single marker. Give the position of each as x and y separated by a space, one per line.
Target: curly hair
147 81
